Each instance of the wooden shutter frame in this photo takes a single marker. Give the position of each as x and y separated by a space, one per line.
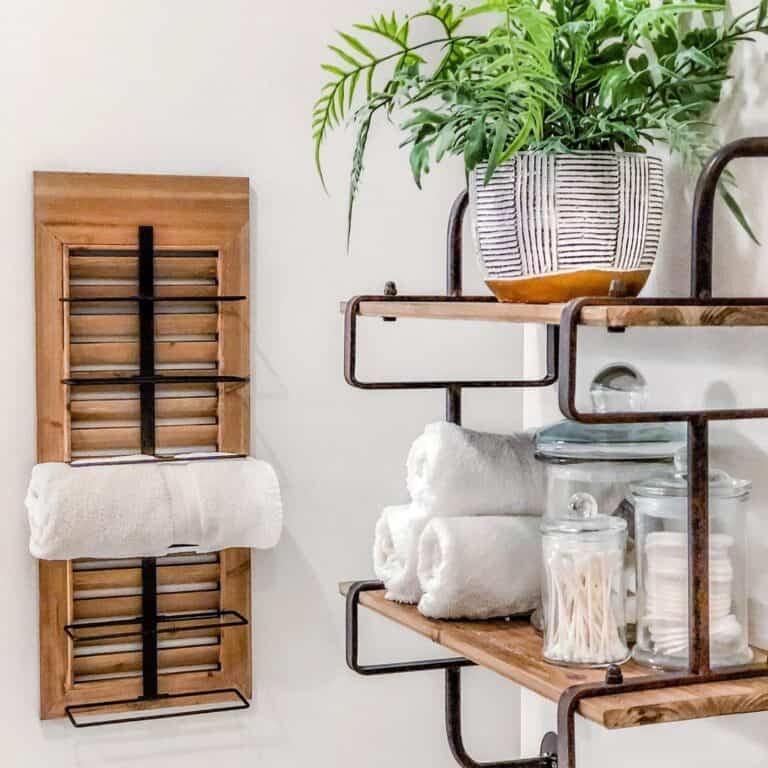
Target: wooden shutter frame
105 210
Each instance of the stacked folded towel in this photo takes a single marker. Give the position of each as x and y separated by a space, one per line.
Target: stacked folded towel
479 567
467 546
142 509
455 471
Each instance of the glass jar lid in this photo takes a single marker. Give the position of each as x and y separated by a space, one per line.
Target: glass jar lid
675 483
582 517
616 388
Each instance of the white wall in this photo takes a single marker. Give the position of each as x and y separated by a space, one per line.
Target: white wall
206 87
691 368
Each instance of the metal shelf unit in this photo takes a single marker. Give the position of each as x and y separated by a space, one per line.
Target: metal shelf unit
563 322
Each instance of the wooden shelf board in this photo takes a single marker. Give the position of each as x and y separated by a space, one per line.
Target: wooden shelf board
512 648
605 316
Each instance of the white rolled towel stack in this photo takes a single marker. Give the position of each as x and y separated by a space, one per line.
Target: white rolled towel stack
479 567
479 479
454 471
137 508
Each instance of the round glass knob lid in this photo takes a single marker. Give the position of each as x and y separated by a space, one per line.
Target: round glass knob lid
618 388
582 506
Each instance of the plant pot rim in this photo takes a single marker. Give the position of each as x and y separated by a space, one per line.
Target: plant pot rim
614 153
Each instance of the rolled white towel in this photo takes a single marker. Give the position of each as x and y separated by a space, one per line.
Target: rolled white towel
454 471
396 549
143 509
479 567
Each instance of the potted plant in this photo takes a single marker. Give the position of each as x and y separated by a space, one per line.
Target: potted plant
552 106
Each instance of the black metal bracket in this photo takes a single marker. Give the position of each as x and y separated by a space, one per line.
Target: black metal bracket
352 642
452 668
150 620
166 699
547 754
350 351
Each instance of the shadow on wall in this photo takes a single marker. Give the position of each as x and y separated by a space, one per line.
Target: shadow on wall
735 451
743 112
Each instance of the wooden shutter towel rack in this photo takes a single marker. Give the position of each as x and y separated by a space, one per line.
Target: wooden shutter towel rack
150 363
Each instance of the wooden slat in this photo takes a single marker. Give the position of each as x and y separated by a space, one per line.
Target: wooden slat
130 661
109 607
127 352
747 315
93 326
124 578
605 316
467 310
126 267
513 650
123 438
97 291
129 410
83 642
130 392
117 373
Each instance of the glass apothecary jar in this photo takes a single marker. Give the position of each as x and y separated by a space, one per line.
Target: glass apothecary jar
603 460
583 589
661 545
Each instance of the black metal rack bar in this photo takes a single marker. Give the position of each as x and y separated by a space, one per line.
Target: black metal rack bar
147 380
153 460
226 619
563 754
105 381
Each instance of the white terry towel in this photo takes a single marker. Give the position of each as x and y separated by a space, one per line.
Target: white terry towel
142 509
395 551
454 471
479 567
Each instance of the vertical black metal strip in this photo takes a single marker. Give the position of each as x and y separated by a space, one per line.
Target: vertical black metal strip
698 545
453 731
454 271
453 404
149 627
454 286
149 652
147 336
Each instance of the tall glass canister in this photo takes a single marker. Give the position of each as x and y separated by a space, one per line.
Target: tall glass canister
661 543
583 586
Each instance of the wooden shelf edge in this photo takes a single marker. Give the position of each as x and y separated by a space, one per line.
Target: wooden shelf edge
512 649
480 309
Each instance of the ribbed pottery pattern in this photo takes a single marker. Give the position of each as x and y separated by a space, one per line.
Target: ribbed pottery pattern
546 212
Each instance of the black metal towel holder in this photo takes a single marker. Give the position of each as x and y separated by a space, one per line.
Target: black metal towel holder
560 749
151 620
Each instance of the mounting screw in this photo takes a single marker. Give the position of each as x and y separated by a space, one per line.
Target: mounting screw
614 675
390 289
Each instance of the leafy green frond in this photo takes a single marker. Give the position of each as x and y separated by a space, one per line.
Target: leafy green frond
560 75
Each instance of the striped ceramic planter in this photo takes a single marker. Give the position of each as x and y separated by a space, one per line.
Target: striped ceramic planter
551 227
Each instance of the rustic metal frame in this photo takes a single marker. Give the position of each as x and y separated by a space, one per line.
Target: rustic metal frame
699 670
